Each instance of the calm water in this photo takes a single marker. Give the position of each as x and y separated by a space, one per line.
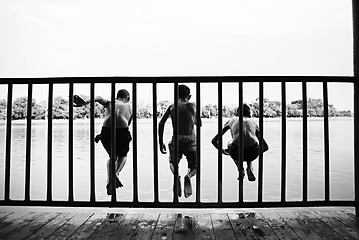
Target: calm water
341 163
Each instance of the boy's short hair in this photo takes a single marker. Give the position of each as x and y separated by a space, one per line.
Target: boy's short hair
246 110
183 91
123 93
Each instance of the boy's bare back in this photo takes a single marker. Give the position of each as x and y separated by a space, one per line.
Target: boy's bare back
187 117
123 114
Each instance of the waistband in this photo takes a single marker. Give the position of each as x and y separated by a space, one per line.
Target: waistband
185 137
117 129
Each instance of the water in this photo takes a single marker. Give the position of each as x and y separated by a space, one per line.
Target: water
341 163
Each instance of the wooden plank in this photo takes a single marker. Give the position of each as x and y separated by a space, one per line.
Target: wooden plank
165 227
146 226
320 227
337 225
203 227
49 228
348 219
183 227
4 214
241 226
222 227
260 226
71 226
108 226
18 225
350 214
27 228
279 226
10 218
127 227
302 230
89 227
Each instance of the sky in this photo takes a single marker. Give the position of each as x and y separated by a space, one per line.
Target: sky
53 38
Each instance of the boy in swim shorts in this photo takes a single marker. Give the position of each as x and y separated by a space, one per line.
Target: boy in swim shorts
186 137
123 118
251 142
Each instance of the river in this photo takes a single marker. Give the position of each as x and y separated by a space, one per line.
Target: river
341 162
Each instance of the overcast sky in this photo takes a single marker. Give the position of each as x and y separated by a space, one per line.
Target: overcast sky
46 38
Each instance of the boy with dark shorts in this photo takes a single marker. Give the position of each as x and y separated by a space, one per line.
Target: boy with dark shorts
123 118
186 137
250 144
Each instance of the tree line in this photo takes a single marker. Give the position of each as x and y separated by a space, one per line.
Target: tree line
271 109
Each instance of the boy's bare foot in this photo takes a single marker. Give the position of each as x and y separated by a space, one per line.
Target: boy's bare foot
118 183
187 187
108 188
241 174
250 174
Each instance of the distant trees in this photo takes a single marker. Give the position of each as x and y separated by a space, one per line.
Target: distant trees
271 109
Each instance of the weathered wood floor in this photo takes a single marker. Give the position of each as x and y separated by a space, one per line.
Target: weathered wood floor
153 224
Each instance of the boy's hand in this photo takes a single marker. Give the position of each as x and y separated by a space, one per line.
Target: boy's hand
78 101
163 148
225 151
97 138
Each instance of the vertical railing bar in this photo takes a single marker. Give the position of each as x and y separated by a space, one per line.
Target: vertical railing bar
261 132
284 140
92 143
305 141
240 141
355 12
155 145
220 143
28 142
326 141
356 140
198 143
71 150
8 142
113 156
49 142
175 141
134 141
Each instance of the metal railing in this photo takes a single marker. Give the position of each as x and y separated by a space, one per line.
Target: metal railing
175 203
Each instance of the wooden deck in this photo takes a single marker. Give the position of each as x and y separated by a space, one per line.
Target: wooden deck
84 223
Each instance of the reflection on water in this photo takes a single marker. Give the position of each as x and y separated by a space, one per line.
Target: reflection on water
341 163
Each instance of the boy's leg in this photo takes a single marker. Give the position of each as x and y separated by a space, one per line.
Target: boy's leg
250 173
120 163
109 178
179 187
233 152
172 167
192 171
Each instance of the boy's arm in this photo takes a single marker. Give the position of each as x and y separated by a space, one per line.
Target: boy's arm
161 126
215 140
130 120
198 123
79 101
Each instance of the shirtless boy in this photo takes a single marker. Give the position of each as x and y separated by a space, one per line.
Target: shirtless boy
123 114
250 144
186 136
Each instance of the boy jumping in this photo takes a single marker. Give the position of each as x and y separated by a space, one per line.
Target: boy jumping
186 136
123 118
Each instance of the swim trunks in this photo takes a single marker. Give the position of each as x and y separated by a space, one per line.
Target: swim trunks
123 139
187 147
250 153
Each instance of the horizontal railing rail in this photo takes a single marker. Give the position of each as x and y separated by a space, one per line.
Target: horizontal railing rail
134 81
